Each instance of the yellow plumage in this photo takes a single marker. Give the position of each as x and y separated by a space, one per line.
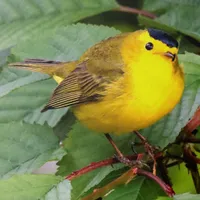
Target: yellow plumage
118 85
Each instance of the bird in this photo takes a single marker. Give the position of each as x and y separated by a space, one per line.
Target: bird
122 84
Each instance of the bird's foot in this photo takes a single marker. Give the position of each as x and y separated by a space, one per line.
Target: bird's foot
139 163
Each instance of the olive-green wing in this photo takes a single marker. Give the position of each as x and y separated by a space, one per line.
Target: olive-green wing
100 65
78 87
105 57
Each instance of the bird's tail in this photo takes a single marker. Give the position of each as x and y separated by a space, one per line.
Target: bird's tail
52 68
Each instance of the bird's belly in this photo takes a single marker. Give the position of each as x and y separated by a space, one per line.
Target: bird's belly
124 114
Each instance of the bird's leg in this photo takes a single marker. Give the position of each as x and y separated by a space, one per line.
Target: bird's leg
149 149
114 145
120 157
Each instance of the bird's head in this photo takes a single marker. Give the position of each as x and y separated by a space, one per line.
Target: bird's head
165 45
151 44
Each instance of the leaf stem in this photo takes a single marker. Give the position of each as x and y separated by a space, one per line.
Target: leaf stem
136 11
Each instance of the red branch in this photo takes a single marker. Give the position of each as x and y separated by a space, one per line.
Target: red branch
188 152
136 11
102 163
168 189
193 123
96 165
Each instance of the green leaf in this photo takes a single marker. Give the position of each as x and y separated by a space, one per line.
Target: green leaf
64 125
120 184
10 91
52 117
58 154
24 147
12 79
102 173
164 198
179 175
125 22
85 182
24 19
60 192
115 186
187 196
140 188
3 56
166 130
180 15
33 187
189 45
64 44
20 102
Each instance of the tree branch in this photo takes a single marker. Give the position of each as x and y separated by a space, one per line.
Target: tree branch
100 164
193 123
96 165
190 156
136 11
191 163
168 190
191 140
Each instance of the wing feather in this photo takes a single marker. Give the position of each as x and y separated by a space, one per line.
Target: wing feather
78 87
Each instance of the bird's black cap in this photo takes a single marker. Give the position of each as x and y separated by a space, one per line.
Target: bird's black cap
163 37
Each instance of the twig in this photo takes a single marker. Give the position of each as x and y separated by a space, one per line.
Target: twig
96 165
168 190
100 164
191 163
191 140
136 11
174 164
193 123
162 168
190 156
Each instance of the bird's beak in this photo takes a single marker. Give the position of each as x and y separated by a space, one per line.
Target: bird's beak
170 55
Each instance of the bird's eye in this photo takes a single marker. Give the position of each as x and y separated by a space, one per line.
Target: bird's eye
149 46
